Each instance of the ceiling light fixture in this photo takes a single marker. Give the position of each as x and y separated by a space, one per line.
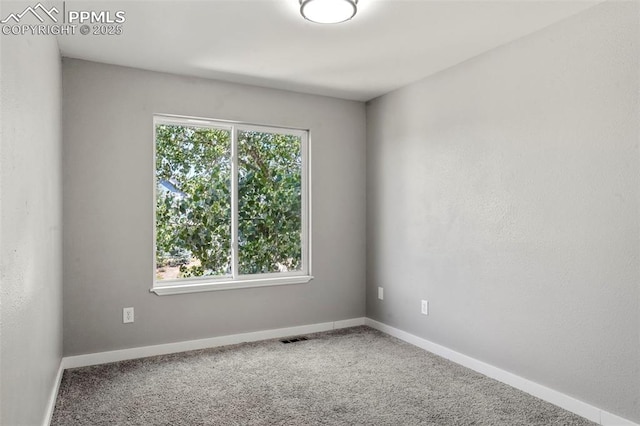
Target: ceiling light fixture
328 11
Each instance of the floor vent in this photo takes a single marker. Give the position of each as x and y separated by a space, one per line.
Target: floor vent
294 339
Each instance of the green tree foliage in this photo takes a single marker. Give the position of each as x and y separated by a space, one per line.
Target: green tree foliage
269 202
193 210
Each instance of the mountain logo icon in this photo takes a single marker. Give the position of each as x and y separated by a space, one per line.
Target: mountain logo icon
38 11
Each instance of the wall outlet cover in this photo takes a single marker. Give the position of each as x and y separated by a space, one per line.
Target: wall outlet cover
127 315
425 307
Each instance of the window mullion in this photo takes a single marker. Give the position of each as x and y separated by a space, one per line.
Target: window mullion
234 202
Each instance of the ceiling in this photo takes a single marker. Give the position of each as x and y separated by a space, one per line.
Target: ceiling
388 44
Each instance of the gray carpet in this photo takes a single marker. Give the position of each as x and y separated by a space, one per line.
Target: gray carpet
355 376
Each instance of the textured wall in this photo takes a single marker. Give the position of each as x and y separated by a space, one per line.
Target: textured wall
30 227
108 209
505 191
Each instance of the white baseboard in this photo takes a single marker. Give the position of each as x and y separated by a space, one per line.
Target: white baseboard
547 394
51 405
168 348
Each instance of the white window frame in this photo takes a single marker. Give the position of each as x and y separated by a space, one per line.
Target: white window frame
236 280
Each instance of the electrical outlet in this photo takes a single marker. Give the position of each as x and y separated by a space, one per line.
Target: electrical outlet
425 307
127 315
380 293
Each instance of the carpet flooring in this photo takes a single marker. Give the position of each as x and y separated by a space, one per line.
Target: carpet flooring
355 376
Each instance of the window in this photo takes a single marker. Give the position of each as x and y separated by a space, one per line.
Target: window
231 205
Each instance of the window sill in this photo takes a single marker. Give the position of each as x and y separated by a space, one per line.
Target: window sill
199 286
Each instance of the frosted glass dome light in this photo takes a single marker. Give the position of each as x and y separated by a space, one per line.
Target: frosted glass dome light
328 11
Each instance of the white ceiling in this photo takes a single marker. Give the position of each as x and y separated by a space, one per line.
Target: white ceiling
389 43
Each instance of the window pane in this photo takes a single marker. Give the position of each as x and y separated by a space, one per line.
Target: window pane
193 207
269 202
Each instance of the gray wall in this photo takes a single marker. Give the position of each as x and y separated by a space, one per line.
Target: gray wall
505 191
108 211
30 227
